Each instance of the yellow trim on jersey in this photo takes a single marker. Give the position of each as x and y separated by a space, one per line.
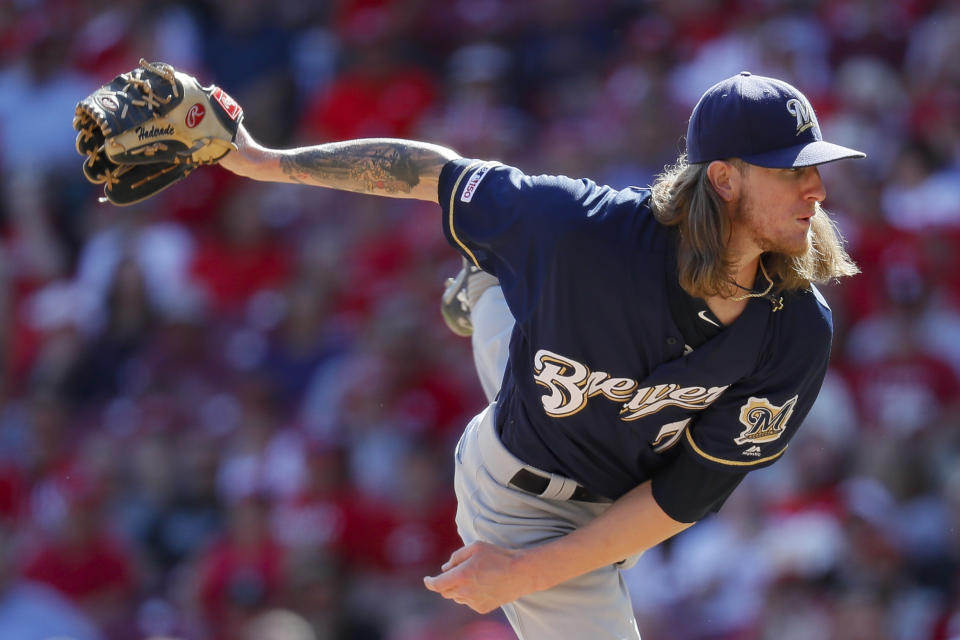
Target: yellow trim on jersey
453 196
735 463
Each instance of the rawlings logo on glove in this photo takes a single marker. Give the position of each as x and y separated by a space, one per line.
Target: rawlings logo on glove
195 115
148 129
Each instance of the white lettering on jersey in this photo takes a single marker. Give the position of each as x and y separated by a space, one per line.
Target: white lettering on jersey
571 384
648 400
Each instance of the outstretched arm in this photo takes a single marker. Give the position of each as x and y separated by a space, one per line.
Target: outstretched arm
378 166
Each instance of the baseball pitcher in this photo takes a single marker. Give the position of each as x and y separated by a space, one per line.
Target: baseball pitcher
663 341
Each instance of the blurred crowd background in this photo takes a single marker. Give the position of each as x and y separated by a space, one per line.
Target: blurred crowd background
227 413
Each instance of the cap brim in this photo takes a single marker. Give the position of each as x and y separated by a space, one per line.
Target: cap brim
803 155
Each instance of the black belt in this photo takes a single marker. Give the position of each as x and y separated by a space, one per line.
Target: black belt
534 483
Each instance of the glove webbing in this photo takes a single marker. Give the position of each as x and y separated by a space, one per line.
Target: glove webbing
150 99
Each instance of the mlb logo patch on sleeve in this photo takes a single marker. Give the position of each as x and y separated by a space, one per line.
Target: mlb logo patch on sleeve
474 180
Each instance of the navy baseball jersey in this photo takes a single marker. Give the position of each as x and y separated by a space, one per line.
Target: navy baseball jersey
616 375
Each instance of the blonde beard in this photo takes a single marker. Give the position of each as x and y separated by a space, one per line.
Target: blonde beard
743 214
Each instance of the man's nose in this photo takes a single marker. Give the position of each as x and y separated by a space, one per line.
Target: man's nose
814 185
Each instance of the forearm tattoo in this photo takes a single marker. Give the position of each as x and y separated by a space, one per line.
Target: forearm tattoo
365 166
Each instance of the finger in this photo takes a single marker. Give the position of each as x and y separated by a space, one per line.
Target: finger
465 601
460 555
440 584
444 582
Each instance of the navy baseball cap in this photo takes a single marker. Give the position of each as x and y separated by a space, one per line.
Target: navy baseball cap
763 121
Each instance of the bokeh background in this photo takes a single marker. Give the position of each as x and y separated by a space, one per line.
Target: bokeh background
227 413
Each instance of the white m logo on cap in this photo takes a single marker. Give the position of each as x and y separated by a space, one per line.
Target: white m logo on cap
802 112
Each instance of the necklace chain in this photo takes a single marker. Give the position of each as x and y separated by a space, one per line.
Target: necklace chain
750 292
777 303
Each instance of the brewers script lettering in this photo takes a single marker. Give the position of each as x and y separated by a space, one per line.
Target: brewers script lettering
571 384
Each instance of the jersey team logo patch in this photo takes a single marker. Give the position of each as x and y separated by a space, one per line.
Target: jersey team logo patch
764 421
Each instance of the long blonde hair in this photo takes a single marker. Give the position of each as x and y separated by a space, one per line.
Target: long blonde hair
683 196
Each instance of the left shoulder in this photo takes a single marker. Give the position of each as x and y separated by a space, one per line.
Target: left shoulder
800 334
806 312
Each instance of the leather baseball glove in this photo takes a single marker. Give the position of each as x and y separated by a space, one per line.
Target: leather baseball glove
151 127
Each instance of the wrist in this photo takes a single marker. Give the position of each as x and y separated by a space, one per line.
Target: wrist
247 159
536 566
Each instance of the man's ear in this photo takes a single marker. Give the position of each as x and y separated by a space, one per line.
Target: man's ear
726 179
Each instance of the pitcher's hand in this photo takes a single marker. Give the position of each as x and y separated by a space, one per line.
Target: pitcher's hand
483 577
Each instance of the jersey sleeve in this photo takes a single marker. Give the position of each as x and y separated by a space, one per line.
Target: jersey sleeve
511 224
490 209
688 490
751 424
